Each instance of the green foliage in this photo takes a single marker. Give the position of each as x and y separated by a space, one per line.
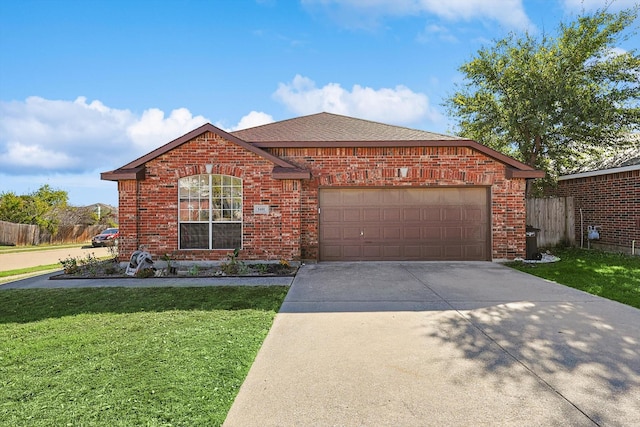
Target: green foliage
128 356
89 265
553 102
38 208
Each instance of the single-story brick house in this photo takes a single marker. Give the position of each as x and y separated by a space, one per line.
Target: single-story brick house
608 199
323 187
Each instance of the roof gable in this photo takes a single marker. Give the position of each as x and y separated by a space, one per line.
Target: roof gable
135 169
334 127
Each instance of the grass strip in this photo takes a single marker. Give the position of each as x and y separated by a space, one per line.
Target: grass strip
28 270
128 356
609 275
13 249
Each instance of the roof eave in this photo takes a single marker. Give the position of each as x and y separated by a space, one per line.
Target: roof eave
510 162
527 174
122 174
290 173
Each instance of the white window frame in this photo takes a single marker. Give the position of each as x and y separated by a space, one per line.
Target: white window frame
217 199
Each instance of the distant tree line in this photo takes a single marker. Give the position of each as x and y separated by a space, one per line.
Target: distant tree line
48 208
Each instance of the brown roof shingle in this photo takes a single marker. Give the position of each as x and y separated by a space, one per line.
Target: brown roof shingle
334 127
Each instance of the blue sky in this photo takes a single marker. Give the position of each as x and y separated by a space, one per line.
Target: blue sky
89 85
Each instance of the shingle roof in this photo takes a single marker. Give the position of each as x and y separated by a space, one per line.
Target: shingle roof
334 127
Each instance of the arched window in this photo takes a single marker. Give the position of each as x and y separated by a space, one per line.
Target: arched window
210 212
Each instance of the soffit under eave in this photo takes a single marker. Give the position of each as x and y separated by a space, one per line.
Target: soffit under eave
136 174
512 173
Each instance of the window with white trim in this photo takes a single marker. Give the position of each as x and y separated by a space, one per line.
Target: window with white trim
210 212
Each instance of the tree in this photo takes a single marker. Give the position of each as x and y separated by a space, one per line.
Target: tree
39 208
554 102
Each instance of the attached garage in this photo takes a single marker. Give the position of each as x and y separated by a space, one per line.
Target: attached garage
392 224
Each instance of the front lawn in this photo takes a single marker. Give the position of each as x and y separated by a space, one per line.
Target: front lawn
609 275
128 356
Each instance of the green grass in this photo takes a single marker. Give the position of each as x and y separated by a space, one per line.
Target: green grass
28 270
609 275
128 356
13 249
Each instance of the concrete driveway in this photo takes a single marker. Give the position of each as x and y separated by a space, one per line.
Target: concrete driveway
442 344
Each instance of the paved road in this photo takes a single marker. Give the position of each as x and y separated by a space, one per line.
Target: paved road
16 260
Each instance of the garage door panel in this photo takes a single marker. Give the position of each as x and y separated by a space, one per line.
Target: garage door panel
351 233
351 251
475 215
352 215
391 233
371 198
371 214
412 233
372 252
431 233
391 197
391 251
331 233
431 214
332 215
411 214
404 224
453 213
371 232
391 214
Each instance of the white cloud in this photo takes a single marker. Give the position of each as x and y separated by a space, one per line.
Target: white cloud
254 118
590 5
397 105
507 12
153 129
61 136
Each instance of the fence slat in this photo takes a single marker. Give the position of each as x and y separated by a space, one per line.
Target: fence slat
555 219
27 234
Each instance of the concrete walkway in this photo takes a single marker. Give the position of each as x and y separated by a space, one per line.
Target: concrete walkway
442 344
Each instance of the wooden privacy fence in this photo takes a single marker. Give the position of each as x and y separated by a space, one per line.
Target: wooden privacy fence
555 217
18 234
27 234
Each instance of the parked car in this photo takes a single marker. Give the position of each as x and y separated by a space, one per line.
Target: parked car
106 238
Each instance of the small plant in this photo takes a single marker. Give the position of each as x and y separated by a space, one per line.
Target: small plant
70 265
143 273
262 268
168 258
91 264
113 249
194 270
233 266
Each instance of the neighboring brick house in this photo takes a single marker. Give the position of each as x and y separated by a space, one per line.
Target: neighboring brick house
609 200
323 187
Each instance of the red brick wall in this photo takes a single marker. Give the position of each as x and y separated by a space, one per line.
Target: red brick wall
428 166
150 219
290 230
611 201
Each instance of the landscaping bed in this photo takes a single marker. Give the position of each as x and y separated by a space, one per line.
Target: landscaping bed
90 267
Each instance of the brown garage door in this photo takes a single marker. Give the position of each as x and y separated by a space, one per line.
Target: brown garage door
371 224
